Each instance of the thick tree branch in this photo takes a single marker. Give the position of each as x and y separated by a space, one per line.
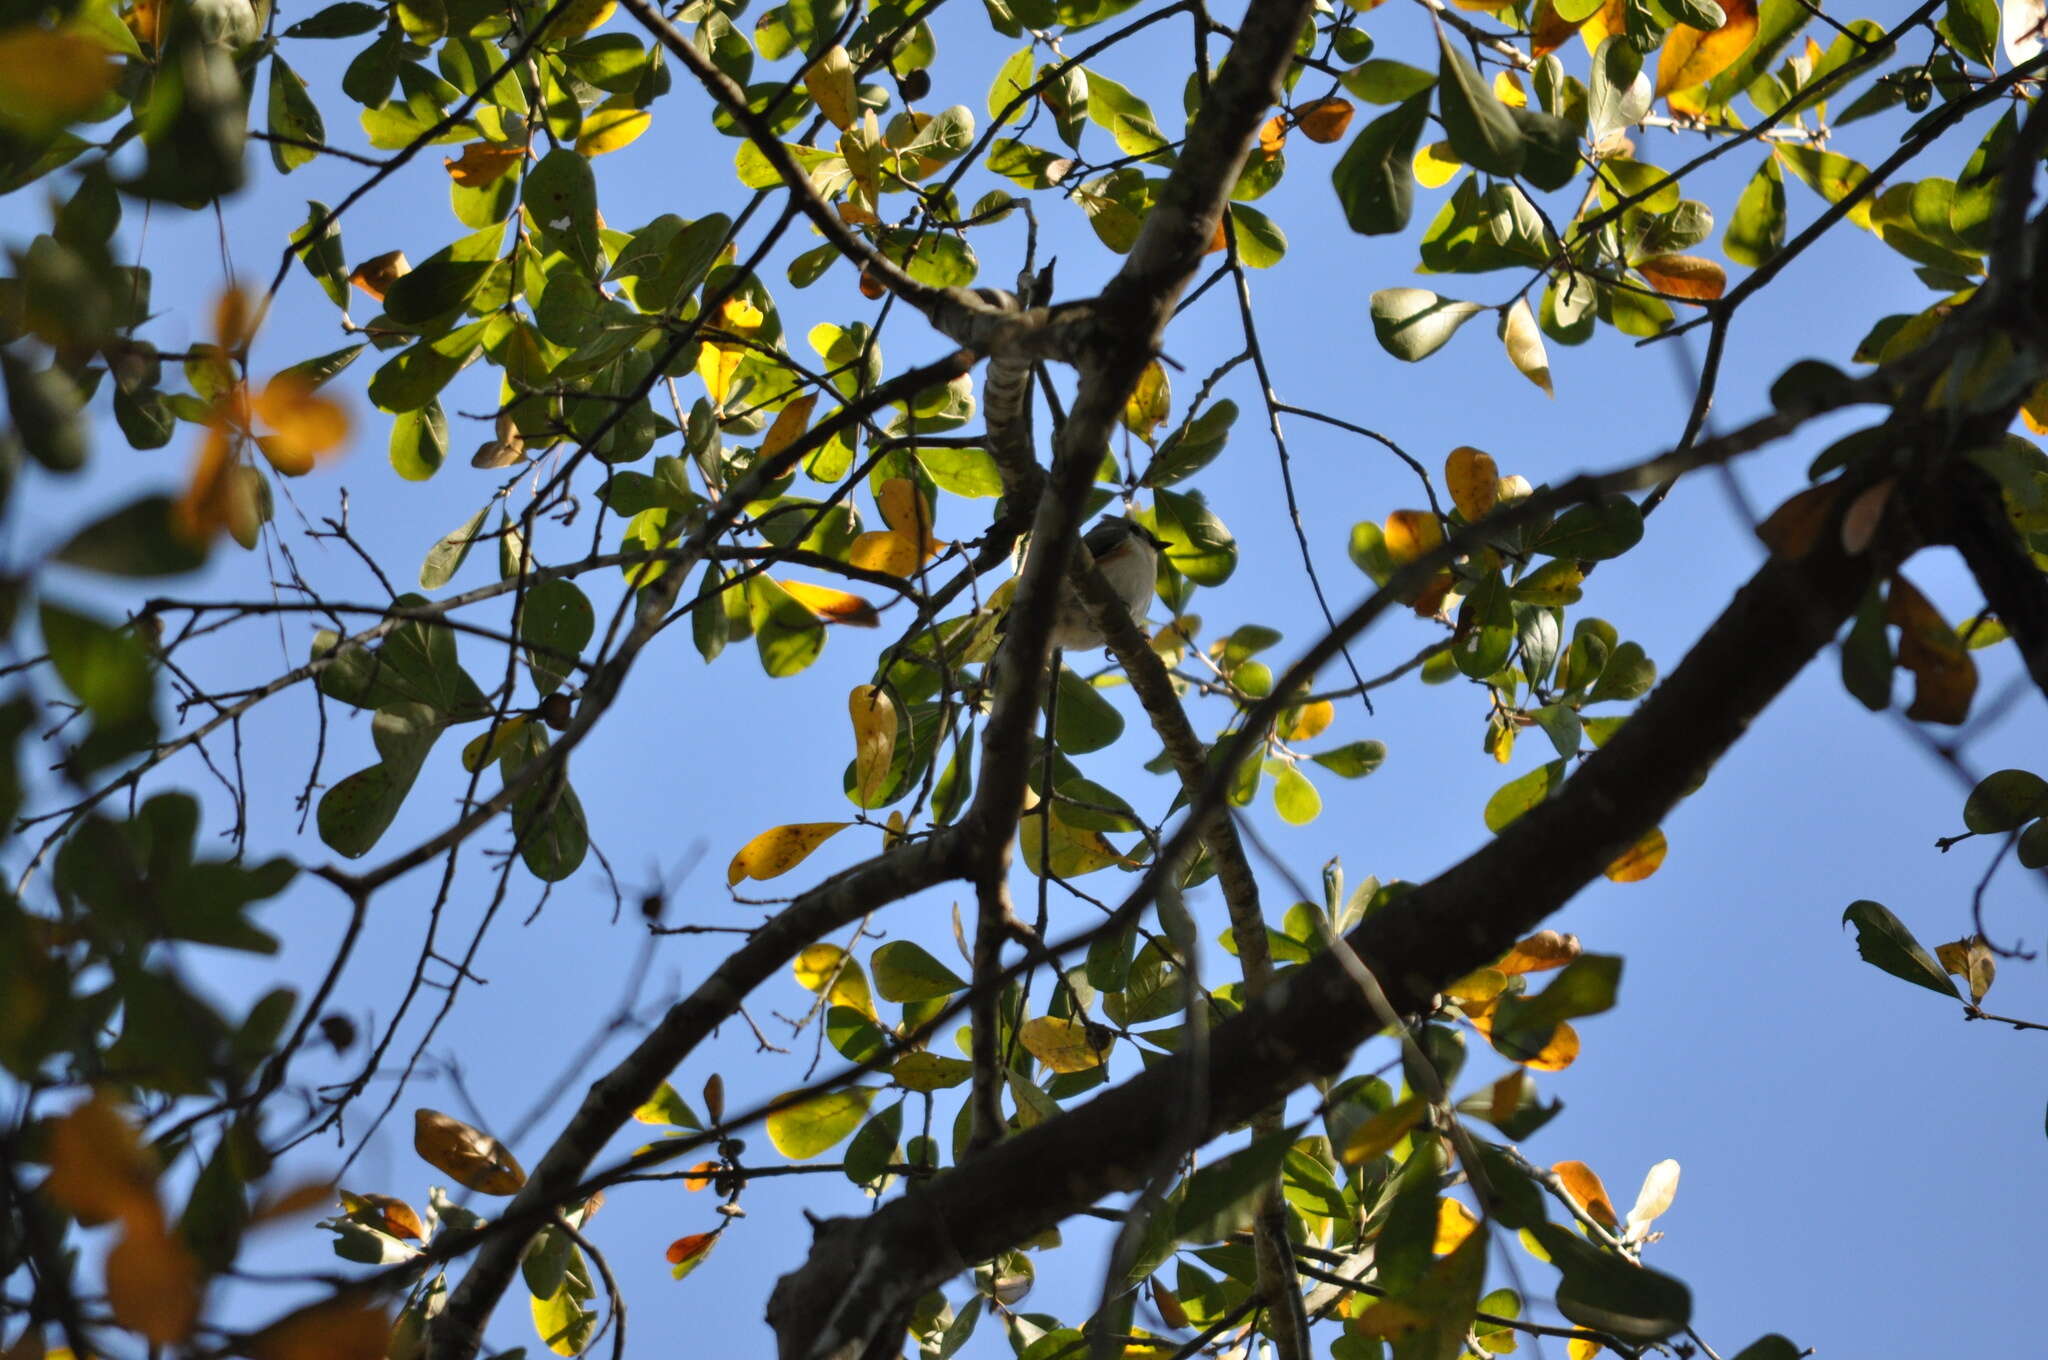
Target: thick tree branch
1975 522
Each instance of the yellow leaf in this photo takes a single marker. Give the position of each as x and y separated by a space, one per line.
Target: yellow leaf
822 965
1504 1097
305 424
1310 721
1272 137
327 1331
1410 534
47 79
832 606
1544 950
482 163
580 17
1474 482
715 365
1454 1223
1500 740
1436 165
1507 88
1692 57
376 274
99 1170
470 1155
1561 1052
905 510
1146 408
1477 987
1383 1130
1387 1319
1065 1045
790 423
874 740
830 82
1685 276
1640 860
231 319
1611 19
153 1283
883 550
806 1129
2034 410
1582 1348
1169 1305
779 849
1075 850
739 315
610 126
1583 1185
1324 120
487 746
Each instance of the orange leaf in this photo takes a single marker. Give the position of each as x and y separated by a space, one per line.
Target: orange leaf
687 1253
905 510
386 1213
1325 120
1473 480
1169 1306
1548 31
1685 276
1544 950
376 275
1583 1185
482 163
833 606
307 424
1692 57
1792 530
231 319
779 849
699 1177
1640 860
1561 1052
883 551
153 1283
98 1168
1273 134
790 423
465 1152
326 1331
1410 534
1944 676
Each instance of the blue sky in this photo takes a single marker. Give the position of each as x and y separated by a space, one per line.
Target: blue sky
1861 1170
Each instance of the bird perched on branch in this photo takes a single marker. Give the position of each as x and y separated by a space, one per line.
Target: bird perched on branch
1128 554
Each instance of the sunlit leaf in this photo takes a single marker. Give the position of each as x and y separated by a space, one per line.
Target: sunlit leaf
470 1155
803 1130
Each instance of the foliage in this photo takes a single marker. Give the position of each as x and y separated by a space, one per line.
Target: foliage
665 448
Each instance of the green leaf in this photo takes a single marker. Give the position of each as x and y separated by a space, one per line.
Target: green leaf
1213 1191
2004 800
1260 242
1085 720
105 668
47 408
1375 178
1380 81
1521 793
1481 129
355 812
556 622
1414 323
668 1107
1294 797
1197 543
1618 93
803 1130
1609 1293
547 817
904 971
561 194
1883 940
445 558
1973 24
136 540
1629 674
1523 1025
322 254
787 635
419 441
293 115
1770 1347
874 1147
1606 528
1191 447
345 20
1354 761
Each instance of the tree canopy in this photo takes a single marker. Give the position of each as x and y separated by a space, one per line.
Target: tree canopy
697 467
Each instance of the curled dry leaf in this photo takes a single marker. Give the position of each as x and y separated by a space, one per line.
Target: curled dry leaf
1971 960
1545 949
386 1213
376 274
471 1156
714 1098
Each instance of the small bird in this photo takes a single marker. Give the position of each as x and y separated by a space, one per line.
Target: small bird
1128 554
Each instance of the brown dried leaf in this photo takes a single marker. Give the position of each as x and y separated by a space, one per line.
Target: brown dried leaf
470 1155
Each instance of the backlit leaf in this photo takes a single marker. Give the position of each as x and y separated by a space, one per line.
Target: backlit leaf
1065 1045
1640 860
1883 940
471 1156
812 1126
